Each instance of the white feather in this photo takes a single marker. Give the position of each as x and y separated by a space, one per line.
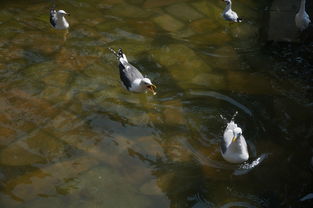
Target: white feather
235 151
302 19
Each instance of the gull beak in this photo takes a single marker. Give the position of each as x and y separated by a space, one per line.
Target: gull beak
68 14
234 139
152 88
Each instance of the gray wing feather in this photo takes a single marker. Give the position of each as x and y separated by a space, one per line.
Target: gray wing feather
228 136
128 74
53 17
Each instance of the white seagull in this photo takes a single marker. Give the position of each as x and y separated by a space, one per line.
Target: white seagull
302 19
57 19
131 77
229 14
234 147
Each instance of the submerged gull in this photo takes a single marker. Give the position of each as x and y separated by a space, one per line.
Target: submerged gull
302 19
57 19
229 14
234 147
131 77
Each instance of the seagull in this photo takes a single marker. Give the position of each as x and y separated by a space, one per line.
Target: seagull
234 147
229 14
131 77
57 19
302 19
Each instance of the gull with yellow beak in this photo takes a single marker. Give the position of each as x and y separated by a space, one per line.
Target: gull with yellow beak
234 147
57 19
228 14
131 77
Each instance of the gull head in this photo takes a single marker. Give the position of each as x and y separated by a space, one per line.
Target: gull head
227 1
237 134
147 84
62 13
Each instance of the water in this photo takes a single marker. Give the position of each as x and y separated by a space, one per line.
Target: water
71 136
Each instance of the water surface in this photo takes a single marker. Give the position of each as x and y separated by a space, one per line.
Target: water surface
72 136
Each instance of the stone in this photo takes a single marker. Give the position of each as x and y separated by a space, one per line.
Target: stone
214 38
148 147
105 187
71 60
17 155
144 28
140 2
180 61
210 10
184 33
164 181
184 12
57 79
175 151
26 111
226 58
159 3
151 188
173 112
204 25
210 80
38 71
44 181
44 144
168 23
128 10
7 135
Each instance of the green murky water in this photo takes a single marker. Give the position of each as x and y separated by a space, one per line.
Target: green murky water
71 136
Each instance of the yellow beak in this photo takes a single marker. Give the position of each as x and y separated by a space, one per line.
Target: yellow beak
152 88
234 139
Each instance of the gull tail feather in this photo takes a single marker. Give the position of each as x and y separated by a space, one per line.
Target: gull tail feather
234 116
119 54
114 52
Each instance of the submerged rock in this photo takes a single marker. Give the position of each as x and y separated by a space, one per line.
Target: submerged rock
180 61
7 135
173 112
183 11
226 58
144 28
45 145
208 8
39 70
26 111
151 188
148 147
36 148
159 3
204 25
105 187
219 38
210 80
44 181
128 10
168 23
17 155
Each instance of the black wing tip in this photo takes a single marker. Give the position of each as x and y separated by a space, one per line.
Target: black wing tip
120 52
239 19
223 147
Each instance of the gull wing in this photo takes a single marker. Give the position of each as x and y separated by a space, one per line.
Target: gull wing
53 17
128 74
